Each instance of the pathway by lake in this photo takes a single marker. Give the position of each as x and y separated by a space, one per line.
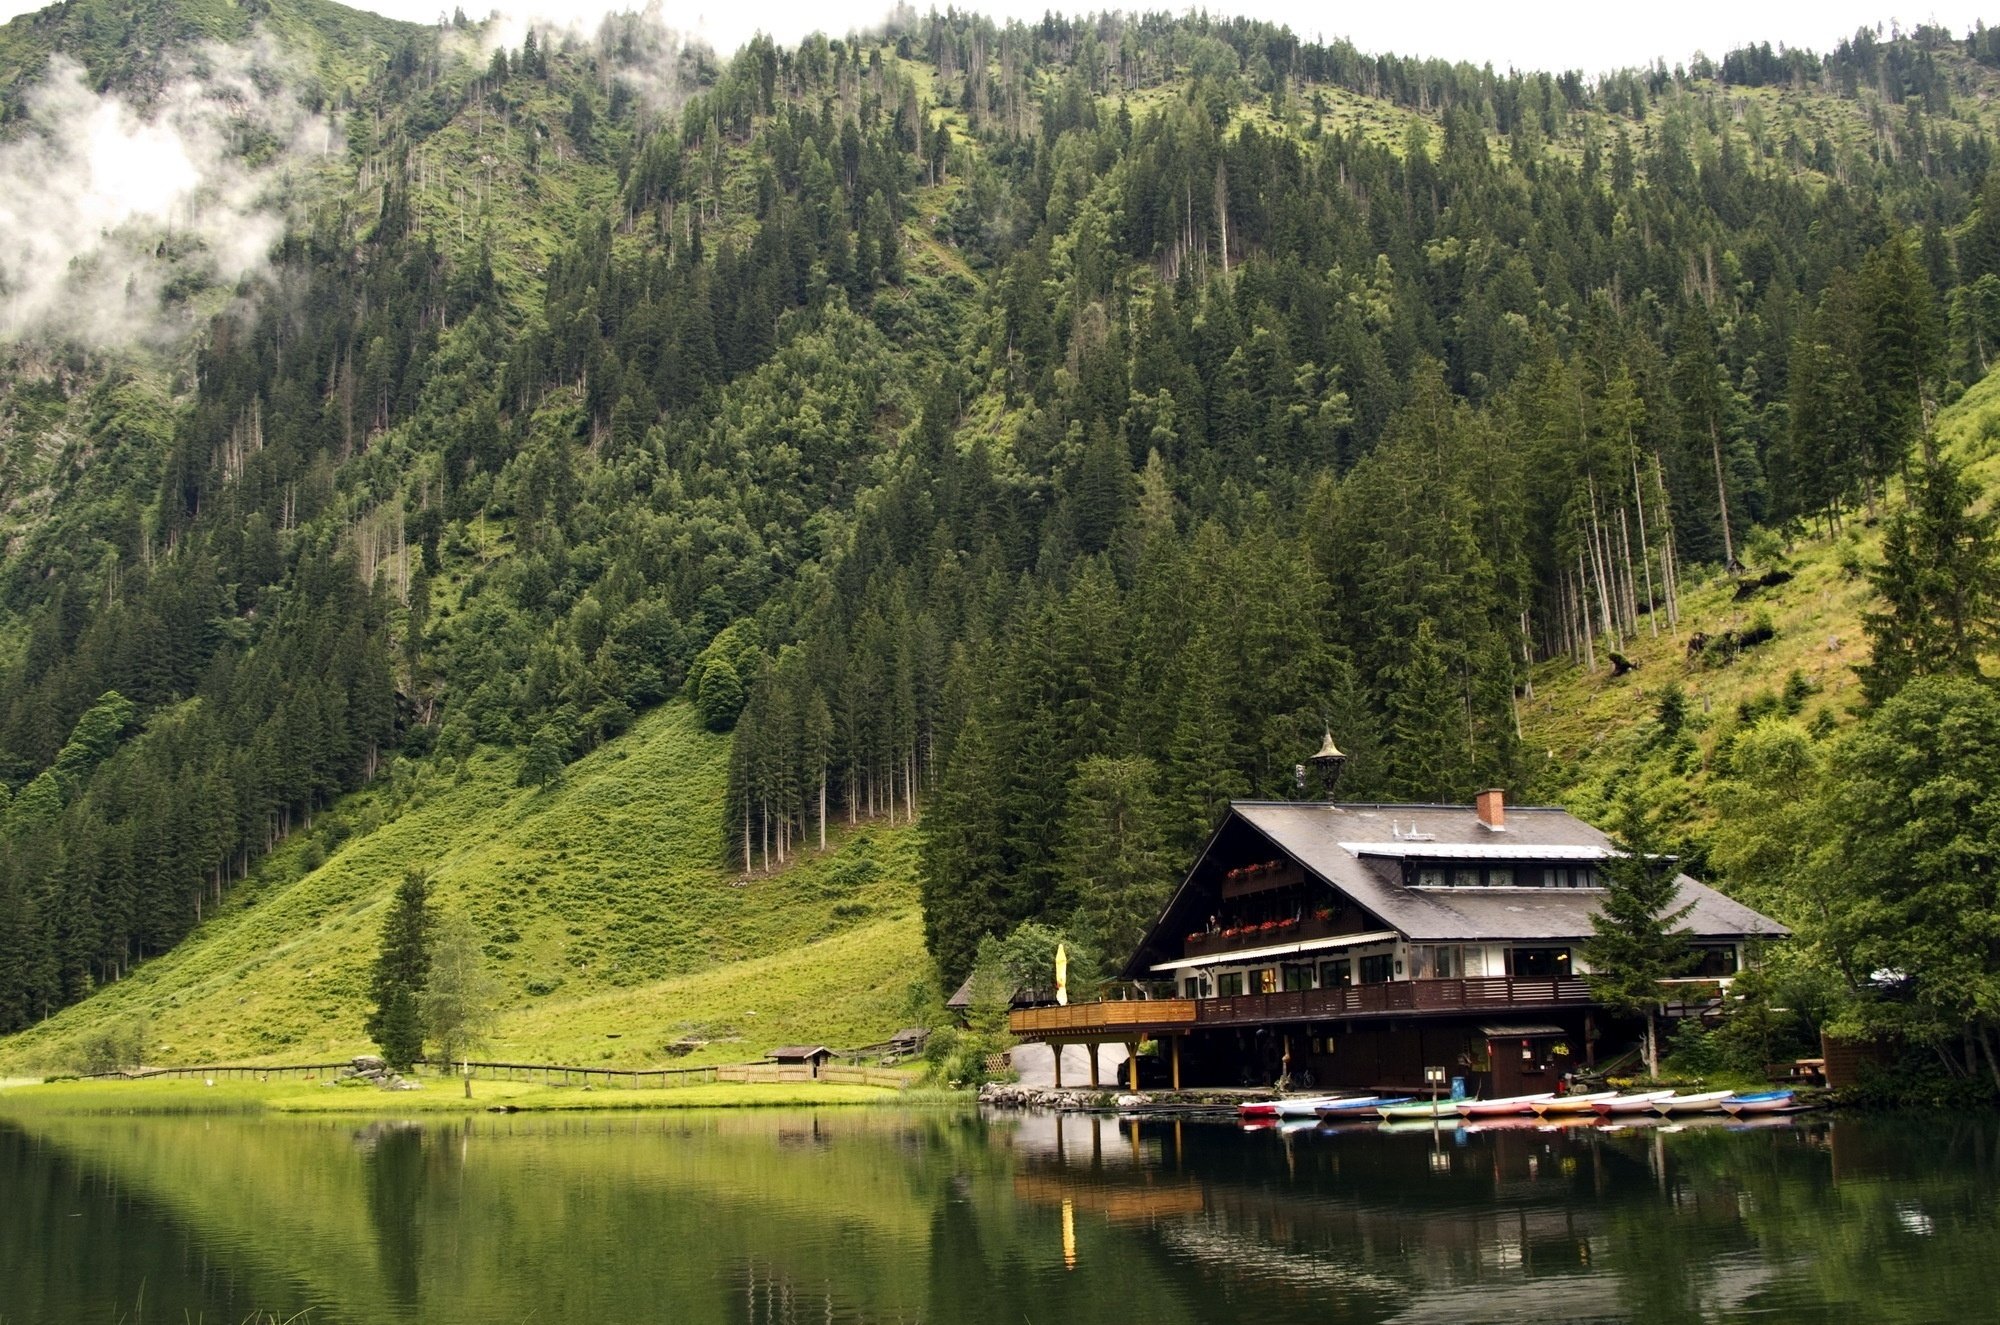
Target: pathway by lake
880 1215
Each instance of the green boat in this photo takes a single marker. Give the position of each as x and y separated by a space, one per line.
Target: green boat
1425 1110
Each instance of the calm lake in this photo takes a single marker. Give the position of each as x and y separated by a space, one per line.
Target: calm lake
870 1215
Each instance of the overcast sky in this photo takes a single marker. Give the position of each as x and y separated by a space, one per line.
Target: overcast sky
1561 35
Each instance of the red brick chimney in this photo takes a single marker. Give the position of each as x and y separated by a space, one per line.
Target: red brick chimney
1492 808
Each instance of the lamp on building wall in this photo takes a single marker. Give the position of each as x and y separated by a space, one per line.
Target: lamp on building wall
1331 763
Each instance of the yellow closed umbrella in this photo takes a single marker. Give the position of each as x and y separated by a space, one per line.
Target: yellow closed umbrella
1062 975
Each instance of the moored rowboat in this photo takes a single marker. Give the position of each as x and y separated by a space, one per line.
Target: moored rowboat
1563 1104
1707 1101
1419 1111
1642 1102
1501 1107
1352 1107
1364 1107
1301 1106
1763 1101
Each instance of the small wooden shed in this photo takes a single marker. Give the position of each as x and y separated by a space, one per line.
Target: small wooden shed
811 1057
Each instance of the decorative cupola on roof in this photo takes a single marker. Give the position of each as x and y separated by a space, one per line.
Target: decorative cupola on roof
1331 763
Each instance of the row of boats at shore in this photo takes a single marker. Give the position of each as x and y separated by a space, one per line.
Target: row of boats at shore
1609 1104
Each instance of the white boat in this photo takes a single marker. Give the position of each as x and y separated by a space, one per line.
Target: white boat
1626 1105
1707 1101
1562 1104
1293 1106
1501 1107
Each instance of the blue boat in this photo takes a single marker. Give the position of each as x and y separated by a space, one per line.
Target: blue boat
1361 1108
1763 1101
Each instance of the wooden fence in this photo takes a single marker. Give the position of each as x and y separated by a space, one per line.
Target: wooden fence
219 1072
548 1074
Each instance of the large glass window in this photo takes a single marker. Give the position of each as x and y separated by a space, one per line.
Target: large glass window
1540 963
1337 974
1436 961
1376 970
1430 876
1465 877
1229 985
1298 977
1500 876
1714 963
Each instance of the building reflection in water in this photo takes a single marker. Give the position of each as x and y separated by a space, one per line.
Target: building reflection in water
1438 1224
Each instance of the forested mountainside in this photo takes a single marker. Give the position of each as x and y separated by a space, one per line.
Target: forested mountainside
1048 430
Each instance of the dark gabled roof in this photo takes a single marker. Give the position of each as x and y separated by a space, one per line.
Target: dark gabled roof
1314 835
1354 849
799 1053
910 1035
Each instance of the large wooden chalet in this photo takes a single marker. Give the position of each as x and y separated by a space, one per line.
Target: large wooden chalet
1384 946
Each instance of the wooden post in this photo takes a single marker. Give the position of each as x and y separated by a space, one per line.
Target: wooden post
1174 1056
1092 1047
1132 1065
1056 1049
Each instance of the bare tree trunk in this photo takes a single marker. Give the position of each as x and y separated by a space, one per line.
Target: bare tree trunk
1583 611
1645 548
1722 496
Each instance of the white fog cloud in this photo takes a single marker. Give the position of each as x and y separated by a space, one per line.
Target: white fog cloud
104 203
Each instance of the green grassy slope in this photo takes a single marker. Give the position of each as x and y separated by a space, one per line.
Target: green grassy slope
1597 730
611 924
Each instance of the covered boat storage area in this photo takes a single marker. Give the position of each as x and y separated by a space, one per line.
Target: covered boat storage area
1502 1035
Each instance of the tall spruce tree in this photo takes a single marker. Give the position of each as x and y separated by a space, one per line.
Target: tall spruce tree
1113 860
1635 941
401 972
1940 581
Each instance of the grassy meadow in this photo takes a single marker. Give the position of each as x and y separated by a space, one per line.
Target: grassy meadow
608 918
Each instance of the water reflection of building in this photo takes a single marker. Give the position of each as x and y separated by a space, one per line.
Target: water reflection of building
1360 945
1446 1227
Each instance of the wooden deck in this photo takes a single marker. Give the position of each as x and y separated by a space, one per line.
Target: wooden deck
1401 998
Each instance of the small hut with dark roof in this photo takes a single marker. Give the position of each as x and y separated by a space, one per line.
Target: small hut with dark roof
812 1057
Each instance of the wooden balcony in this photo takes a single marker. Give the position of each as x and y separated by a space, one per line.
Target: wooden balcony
1111 1016
1297 931
1115 1019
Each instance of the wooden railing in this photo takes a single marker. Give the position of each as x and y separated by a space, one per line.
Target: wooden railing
1474 995
1397 997
1110 1015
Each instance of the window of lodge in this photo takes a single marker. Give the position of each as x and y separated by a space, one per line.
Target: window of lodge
1502 876
1229 985
1337 974
1437 962
1376 970
1298 977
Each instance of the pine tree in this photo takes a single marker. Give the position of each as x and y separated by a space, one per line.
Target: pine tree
1428 739
1635 942
1940 579
1113 860
402 968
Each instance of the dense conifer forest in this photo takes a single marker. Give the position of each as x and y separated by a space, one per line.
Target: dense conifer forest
1042 431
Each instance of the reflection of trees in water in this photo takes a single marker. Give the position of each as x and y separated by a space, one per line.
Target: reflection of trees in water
395 1162
79 1242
